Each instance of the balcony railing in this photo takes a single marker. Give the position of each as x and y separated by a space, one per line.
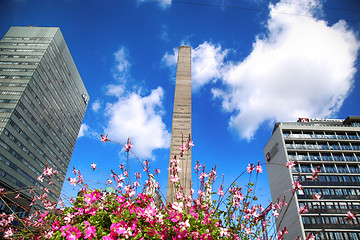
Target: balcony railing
320 136
322 147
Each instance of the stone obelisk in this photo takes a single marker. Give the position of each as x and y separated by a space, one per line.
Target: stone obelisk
181 123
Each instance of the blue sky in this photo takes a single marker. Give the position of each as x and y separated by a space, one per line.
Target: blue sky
254 63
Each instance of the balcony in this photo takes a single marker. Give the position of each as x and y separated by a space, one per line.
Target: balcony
331 226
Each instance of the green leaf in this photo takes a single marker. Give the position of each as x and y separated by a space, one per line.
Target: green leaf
114 218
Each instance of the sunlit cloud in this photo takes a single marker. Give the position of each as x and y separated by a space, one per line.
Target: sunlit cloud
122 66
96 105
115 90
301 67
170 59
207 63
140 119
134 115
164 4
84 128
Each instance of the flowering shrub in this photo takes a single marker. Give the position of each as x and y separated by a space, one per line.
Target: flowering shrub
121 213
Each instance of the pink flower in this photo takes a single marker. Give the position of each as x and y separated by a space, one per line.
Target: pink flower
92 197
68 218
8 233
183 148
275 214
317 196
1 191
127 233
43 216
197 166
90 232
40 178
249 168
104 138
177 206
282 233
72 233
175 217
93 166
128 146
303 210
91 211
73 181
315 174
248 231
117 228
138 175
174 179
220 192
17 196
56 226
238 195
290 164
259 169
194 235
48 171
350 215
203 176
49 234
108 237
310 236
297 186
224 232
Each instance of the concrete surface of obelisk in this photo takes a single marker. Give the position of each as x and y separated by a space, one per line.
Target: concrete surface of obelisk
181 123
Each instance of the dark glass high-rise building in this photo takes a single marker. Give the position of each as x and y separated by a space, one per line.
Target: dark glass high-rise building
42 103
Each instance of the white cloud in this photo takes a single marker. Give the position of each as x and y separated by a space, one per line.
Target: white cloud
139 118
96 105
207 63
84 129
115 90
87 131
164 33
131 115
122 64
170 59
164 4
135 116
303 67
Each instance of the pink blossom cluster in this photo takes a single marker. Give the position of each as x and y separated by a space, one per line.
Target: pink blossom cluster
185 146
126 214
